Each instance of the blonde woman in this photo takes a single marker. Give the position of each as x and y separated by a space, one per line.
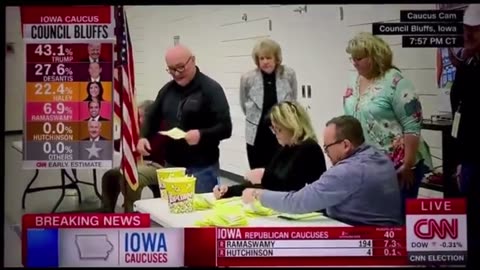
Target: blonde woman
385 103
269 83
298 162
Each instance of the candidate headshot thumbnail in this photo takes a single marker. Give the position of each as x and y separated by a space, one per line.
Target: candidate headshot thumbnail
94 92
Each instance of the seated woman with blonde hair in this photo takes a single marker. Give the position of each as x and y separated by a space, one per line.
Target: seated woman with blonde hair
384 101
298 162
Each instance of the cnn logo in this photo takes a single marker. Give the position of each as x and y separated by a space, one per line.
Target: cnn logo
431 228
41 164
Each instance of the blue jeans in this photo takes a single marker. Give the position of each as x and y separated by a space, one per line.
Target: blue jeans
207 177
468 179
419 173
412 191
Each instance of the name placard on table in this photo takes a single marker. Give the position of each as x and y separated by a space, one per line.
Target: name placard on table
69 87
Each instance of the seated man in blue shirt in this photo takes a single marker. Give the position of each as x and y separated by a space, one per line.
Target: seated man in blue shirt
361 187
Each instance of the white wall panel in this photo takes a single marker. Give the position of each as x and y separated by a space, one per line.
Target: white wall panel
414 58
424 80
15 76
363 14
239 47
223 42
244 30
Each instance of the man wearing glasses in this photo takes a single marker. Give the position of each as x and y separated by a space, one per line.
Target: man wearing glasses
361 187
196 104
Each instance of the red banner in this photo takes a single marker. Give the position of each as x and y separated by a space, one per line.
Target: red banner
44 23
436 206
66 14
326 246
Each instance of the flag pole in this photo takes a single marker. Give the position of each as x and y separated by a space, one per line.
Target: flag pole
119 67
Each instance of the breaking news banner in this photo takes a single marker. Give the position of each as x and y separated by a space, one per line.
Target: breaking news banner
437 231
99 240
69 87
434 235
425 28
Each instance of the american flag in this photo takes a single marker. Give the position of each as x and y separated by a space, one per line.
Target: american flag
124 98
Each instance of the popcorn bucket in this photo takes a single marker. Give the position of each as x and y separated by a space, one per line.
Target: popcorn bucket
165 173
181 191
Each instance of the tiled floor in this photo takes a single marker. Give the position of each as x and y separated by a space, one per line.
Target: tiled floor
16 179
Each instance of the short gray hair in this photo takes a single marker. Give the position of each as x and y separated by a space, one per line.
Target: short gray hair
146 105
269 47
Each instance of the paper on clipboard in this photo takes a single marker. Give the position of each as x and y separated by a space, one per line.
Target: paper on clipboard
174 133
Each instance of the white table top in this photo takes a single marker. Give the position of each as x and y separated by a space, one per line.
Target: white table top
18 145
160 214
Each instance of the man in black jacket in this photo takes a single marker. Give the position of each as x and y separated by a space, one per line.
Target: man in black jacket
196 104
465 95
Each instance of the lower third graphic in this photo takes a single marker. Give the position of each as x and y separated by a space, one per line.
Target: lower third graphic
93 246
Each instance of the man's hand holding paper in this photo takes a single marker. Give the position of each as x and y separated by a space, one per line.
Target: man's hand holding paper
174 133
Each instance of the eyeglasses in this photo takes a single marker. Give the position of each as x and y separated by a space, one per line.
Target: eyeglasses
325 147
180 68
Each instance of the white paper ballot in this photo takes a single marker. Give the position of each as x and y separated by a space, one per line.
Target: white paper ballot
174 133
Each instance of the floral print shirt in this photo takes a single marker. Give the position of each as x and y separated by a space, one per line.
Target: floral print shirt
388 109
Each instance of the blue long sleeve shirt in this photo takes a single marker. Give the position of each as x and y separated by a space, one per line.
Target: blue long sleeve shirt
360 190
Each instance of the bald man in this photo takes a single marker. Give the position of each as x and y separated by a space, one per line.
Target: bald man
195 103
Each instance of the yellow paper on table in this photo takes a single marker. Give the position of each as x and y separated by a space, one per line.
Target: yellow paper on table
165 173
201 203
227 201
174 133
225 216
181 191
257 209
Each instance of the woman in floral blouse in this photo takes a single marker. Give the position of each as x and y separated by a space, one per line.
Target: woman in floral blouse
386 104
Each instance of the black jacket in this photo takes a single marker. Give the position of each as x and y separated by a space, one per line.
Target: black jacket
200 105
291 169
464 97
